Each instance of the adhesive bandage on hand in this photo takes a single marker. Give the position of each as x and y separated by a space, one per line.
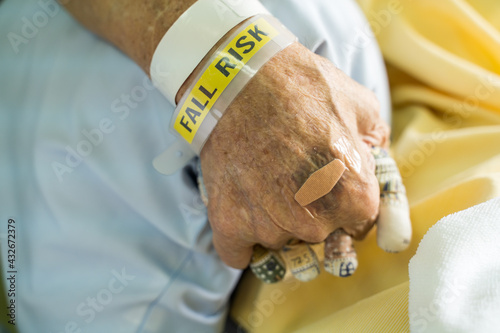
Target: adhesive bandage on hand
320 183
301 259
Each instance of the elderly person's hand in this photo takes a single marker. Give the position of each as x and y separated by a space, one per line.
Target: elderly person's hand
295 116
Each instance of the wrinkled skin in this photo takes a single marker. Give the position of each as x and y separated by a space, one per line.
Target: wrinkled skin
283 126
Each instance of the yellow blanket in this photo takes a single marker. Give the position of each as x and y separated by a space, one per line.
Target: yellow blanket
443 60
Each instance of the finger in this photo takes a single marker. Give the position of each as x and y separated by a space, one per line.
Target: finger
393 225
376 133
301 260
236 254
371 126
234 237
267 265
356 197
372 129
340 256
365 108
233 255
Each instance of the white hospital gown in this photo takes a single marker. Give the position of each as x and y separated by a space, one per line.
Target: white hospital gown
104 243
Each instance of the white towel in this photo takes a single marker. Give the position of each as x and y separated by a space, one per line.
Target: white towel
455 274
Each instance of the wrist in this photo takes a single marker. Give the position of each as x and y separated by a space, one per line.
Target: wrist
191 38
204 61
220 79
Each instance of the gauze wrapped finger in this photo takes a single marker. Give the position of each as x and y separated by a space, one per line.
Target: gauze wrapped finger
393 224
267 265
340 259
301 260
340 255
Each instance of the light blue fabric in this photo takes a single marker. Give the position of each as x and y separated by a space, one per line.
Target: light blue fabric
103 242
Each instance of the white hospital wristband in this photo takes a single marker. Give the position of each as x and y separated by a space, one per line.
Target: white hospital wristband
192 36
218 83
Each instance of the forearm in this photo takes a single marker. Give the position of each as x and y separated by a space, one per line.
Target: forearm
134 26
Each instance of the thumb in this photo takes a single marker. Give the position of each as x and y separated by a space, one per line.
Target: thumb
372 129
234 252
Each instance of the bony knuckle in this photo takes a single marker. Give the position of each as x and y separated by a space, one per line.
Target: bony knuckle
317 234
372 99
318 238
384 131
369 206
269 239
362 202
323 233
